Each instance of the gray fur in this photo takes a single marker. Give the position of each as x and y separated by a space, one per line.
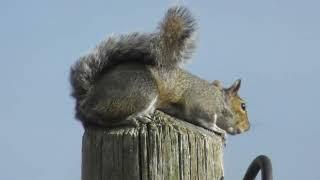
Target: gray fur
175 41
167 48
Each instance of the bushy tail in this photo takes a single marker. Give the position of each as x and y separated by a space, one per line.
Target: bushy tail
175 41
114 50
169 47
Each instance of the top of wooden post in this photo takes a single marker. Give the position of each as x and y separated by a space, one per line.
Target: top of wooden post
166 148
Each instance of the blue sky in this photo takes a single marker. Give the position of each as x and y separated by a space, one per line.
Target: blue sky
272 45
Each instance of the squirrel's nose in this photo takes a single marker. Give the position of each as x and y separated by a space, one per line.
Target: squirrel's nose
242 130
232 130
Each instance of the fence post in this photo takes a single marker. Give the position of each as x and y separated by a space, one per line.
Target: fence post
166 149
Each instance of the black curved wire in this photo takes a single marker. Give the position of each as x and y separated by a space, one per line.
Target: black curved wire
262 163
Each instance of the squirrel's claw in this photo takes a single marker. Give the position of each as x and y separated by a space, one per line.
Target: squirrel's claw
145 119
140 119
221 132
217 129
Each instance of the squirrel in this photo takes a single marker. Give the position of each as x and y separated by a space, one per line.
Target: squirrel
129 76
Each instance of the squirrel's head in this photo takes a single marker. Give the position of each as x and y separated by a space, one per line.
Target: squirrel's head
235 121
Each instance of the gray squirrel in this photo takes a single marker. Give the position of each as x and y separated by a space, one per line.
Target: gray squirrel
127 77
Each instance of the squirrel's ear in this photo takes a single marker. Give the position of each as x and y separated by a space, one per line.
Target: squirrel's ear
217 84
234 87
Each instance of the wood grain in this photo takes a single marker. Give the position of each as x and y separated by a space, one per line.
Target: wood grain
166 149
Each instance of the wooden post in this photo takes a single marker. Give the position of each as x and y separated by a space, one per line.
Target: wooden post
166 149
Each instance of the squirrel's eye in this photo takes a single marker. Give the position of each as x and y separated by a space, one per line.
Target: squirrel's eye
243 106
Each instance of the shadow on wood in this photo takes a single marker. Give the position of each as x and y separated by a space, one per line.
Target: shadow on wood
165 149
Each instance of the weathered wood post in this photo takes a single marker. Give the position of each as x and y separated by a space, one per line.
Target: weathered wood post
166 149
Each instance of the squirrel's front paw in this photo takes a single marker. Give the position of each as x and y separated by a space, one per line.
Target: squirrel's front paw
224 137
217 129
221 132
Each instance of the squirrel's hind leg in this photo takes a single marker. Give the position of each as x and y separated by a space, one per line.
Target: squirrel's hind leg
125 95
144 116
133 115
